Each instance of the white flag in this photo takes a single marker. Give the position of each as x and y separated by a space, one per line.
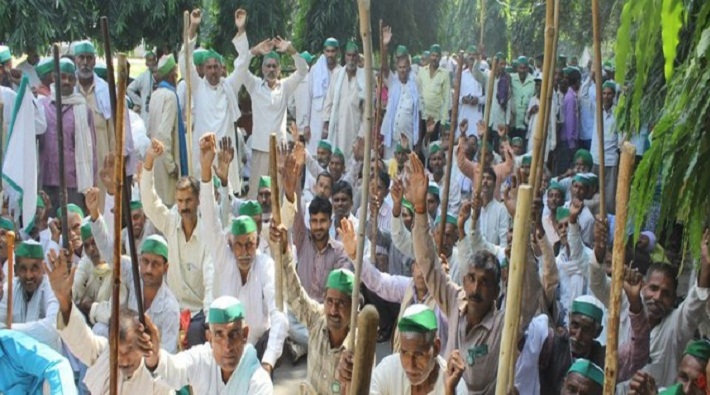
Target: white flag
19 168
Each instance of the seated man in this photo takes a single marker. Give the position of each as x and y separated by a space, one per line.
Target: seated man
583 378
692 373
93 350
226 364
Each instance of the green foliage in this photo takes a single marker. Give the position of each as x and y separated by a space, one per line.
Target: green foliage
320 19
412 22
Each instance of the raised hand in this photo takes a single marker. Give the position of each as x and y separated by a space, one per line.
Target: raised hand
633 282
359 149
642 383
464 214
291 175
55 228
263 47
386 35
348 237
91 198
282 45
463 128
417 184
502 130
240 19
60 274
396 192
601 230
225 156
480 128
208 151
154 151
404 140
476 205
454 371
510 196
575 207
444 263
107 173
195 20
148 341
430 125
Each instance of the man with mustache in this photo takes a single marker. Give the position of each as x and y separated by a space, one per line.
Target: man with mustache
434 86
226 365
93 350
269 95
244 272
191 271
692 374
573 258
475 325
583 378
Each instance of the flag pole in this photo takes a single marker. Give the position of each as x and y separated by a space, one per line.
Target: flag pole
478 180
60 143
188 94
599 119
10 241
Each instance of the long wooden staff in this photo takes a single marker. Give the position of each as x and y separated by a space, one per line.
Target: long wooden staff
2 132
486 120
60 144
276 216
10 242
376 139
364 356
188 94
626 169
118 176
450 150
600 122
514 294
127 193
483 22
366 33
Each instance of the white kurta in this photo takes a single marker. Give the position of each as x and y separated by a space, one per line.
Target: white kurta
344 111
140 90
91 282
35 317
494 222
257 294
317 96
163 126
573 268
389 378
472 112
299 105
30 72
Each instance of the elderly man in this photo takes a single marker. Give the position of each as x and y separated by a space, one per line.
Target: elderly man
226 365
167 126
269 95
191 273
471 96
583 378
523 89
434 87
93 350
141 88
343 106
34 308
692 374
80 142
320 78
244 272
437 167
93 280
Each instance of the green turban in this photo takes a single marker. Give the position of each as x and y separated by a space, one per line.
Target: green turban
436 48
583 305
433 189
198 56
450 219
351 46
148 54
585 155
527 160
5 54
583 179
264 182
83 47
418 318
675 389
401 51
516 140
608 65
699 349
339 154
588 370
66 66
155 244
29 249
562 213
500 56
341 280
273 55
523 60
408 205
44 67
331 42
101 70
416 59
250 208
243 225
136 205
307 56
434 147
225 309
325 144
558 186
71 208
212 54
569 70
166 65
7 224
86 232
609 84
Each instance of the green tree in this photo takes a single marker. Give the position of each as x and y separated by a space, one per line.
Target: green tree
320 19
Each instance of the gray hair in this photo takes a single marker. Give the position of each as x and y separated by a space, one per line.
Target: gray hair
485 260
428 337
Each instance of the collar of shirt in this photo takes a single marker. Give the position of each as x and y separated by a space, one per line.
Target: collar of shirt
178 226
487 321
265 84
88 91
326 337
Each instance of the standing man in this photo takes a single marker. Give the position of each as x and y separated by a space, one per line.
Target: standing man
44 70
28 67
611 143
435 90
471 97
343 107
141 88
319 79
569 134
523 89
167 126
269 95
7 95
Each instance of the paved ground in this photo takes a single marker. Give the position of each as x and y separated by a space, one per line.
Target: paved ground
288 377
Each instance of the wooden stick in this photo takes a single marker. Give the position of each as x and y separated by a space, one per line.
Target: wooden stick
550 91
10 242
276 216
188 94
486 120
366 33
364 356
60 146
375 137
626 169
450 150
2 133
600 121
483 23
117 210
514 294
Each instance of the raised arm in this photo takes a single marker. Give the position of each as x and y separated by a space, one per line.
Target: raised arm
633 354
189 68
155 210
401 237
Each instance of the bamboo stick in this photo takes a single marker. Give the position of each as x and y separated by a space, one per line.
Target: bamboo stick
626 169
598 84
10 242
117 211
486 120
375 137
366 33
514 294
188 94
364 356
276 216
483 23
450 150
60 143
550 91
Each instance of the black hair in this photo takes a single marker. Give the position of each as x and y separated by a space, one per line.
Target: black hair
320 205
486 261
326 175
342 186
384 177
489 170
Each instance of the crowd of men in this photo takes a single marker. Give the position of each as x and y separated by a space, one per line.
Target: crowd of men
208 247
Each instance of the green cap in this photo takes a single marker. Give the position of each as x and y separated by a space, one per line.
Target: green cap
250 208
588 370
408 205
307 56
243 225
401 51
7 224
562 213
500 56
583 179
417 59
472 49
510 69
273 55
699 349
101 70
5 54
148 53
325 144
426 54
66 66
155 244
198 56
83 47
585 155
527 160
436 48
583 305
558 186
433 189
224 310
264 182
136 205
675 389
450 219
212 54
351 46
71 208
216 182
166 64
516 140
29 249
418 318
523 60
339 153
44 67
608 65
86 232
561 61
341 280
434 147
570 69
609 84
331 42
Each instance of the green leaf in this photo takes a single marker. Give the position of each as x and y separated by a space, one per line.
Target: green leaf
702 48
672 22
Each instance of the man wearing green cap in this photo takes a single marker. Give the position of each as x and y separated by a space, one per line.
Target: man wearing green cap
215 100
80 142
269 95
523 89
319 80
692 378
141 88
434 87
581 185
612 141
583 378
494 218
92 283
34 307
6 78
244 272
343 105
299 104
6 225
45 73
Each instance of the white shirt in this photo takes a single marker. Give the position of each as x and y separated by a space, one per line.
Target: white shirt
612 139
30 72
495 221
405 112
587 110
140 90
35 317
469 86
573 268
389 378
